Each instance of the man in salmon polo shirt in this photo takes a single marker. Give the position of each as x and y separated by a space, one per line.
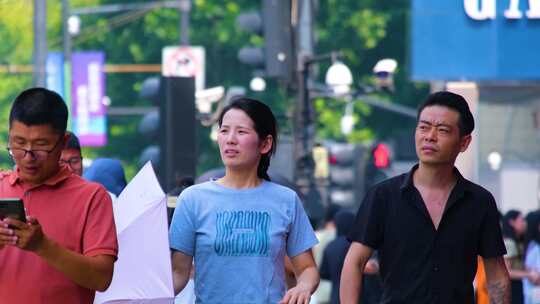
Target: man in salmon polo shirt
67 248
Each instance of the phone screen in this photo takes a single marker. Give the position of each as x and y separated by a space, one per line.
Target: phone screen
12 208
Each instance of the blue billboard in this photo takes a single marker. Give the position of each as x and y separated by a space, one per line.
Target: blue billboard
476 40
54 68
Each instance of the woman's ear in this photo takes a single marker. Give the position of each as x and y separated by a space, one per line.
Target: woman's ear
266 144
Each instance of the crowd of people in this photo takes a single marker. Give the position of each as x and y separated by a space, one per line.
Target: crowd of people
522 241
416 237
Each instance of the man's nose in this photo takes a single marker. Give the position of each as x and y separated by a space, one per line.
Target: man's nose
30 154
431 135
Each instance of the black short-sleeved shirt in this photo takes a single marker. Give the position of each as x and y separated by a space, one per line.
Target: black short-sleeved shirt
419 264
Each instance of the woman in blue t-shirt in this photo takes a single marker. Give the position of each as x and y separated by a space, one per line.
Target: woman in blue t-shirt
239 228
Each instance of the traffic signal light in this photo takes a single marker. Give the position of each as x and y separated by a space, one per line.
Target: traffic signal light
378 164
274 24
149 126
172 128
346 174
381 156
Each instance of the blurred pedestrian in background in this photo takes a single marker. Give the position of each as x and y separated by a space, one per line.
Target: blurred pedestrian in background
108 172
239 228
72 155
334 256
325 235
181 184
531 288
335 251
514 228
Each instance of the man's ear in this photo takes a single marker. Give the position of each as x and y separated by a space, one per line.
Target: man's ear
66 138
464 142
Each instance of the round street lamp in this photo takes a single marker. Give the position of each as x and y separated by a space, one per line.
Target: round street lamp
494 160
339 78
257 84
74 25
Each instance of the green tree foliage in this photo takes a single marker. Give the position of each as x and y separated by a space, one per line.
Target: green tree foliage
16 48
364 30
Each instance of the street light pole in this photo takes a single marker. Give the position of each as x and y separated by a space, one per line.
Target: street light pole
303 126
304 133
185 8
67 54
304 117
40 42
66 34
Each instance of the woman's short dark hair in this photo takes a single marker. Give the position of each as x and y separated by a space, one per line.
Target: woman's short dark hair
39 106
264 123
454 102
507 229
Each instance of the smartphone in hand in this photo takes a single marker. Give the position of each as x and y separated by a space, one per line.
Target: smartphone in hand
12 208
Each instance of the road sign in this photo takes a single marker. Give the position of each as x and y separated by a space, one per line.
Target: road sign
184 61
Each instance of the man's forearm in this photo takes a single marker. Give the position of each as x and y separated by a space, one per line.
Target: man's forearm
351 284
498 280
94 273
499 292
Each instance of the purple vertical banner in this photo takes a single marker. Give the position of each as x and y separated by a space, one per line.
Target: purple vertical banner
89 114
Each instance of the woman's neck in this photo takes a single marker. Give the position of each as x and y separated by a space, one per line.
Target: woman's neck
240 179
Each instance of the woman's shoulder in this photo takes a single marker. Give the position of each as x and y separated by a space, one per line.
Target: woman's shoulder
197 189
281 190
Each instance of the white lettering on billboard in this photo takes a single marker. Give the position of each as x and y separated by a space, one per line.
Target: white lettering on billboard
480 11
82 109
513 11
534 9
94 86
487 9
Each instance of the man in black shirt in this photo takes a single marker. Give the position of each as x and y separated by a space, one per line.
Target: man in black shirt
430 224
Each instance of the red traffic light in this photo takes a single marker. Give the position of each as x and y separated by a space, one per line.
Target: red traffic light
381 156
332 159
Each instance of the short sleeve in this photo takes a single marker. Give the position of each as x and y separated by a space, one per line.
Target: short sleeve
301 235
368 225
532 258
182 230
100 231
491 243
511 248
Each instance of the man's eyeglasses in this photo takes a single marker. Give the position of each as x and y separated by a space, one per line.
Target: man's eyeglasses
36 154
73 161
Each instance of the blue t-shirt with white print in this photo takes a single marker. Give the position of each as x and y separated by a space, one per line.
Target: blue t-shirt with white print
239 238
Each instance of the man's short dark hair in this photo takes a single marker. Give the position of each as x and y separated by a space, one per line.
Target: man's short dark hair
39 106
331 211
73 142
454 102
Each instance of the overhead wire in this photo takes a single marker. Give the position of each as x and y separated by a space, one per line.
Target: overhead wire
112 23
